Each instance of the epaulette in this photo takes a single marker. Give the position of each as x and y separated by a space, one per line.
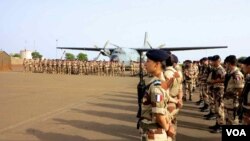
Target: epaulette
157 82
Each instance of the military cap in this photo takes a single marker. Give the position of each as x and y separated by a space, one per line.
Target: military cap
157 55
231 59
188 61
215 58
246 61
241 59
175 58
204 58
210 58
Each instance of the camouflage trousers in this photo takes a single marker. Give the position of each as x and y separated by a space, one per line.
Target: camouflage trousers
211 99
218 105
188 89
155 135
246 117
231 105
204 93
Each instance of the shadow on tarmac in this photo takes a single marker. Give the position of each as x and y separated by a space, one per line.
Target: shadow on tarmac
118 116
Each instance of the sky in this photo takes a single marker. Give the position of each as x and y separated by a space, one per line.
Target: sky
42 25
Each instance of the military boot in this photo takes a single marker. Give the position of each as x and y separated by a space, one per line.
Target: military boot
184 98
199 102
190 98
211 117
205 108
214 126
217 129
207 115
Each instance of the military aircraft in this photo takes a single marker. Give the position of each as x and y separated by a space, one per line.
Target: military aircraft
126 55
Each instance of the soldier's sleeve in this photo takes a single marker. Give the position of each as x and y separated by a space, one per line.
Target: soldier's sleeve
221 73
238 80
157 99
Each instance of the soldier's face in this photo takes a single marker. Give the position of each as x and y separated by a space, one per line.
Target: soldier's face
150 66
246 69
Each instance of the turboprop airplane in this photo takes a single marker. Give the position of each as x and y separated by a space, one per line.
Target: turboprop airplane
126 54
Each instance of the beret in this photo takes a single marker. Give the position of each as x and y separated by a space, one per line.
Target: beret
157 55
241 59
205 58
175 58
188 61
210 58
246 61
215 58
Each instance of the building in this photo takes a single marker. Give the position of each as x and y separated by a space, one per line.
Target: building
26 54
5 61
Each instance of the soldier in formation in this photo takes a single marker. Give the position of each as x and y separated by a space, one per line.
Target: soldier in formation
224 91
77 67
156 120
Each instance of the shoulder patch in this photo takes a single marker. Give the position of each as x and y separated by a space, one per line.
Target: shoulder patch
157 82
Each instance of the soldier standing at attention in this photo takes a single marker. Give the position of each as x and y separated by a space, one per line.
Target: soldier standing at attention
131 68
189 78
154 124
217 80
246 93
175 90
123 69
234 83
24 65
203 75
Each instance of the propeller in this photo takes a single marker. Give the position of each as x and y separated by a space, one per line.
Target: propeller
162 45
103 51
149 45
115 45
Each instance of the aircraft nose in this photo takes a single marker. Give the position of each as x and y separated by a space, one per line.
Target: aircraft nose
114 58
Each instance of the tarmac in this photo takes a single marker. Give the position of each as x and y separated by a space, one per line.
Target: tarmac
46 107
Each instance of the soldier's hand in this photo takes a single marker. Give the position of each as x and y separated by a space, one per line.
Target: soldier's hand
171 131
164 85
179 103
176 75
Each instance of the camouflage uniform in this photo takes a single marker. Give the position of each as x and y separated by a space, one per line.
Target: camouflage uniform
218 91
204 73
69 67
234 82
123 69
64 67
175 92
189 80
154 102
246 102
196 73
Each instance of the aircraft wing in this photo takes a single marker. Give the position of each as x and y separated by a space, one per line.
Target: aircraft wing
181 48
85 48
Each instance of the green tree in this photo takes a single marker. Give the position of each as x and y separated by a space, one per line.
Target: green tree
36 55
17 55
69 56
82 57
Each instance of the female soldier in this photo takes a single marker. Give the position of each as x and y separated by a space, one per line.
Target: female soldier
155 122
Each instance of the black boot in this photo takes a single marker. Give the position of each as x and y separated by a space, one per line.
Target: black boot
190 98
211 117
218 129
202 104
205 108
214 126
184 98
199 102
207 115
